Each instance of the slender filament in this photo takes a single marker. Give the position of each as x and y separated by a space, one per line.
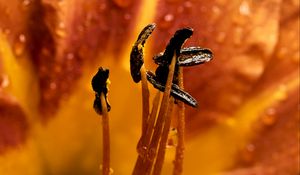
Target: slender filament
105 131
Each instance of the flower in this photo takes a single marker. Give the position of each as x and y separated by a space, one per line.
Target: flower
248 116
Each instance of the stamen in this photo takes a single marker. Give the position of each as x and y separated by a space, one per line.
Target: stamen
145 99
179 155
163 141
105 130
143 144
161 118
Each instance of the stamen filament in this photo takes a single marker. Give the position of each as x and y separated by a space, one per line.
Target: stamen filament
179 155
106 144
161 118
143 144
164 138
145 99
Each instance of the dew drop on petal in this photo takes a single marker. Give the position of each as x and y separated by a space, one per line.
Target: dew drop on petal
168 17
281 92
19 45
22 38
4 81
53 85
221 37
60 32
247 154
216 12
70 56
188 4
127 16
102 6
6 31
244 8
250 147
268 120
26 2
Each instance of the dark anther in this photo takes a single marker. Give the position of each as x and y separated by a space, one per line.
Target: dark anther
188 56
136 55
99 84
174 46
176 92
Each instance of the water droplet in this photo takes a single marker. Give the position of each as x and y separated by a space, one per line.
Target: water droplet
19 45
111 171
70 56
61 3
244 8
26 2
172 138
180 9
168 17
102 6
247 154
188 4
171 143
22 38
166 21
142 149
53 85
127 16
221 37
270 111
62 25
60 31
268 119
6 31
250 147
281 92
4 81
80 28
216 10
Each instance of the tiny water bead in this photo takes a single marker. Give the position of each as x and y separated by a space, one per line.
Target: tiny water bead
169 17
20 45
26 2
244 8
4 81
111 171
